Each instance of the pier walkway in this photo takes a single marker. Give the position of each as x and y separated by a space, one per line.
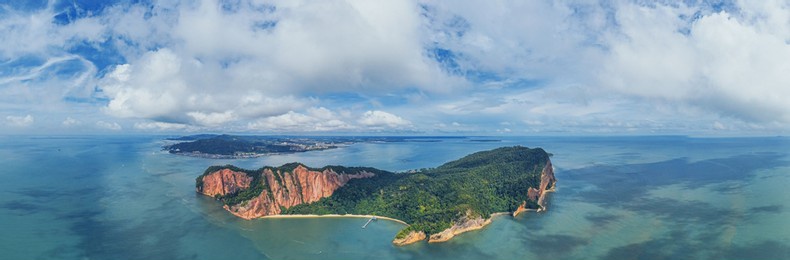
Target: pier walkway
366 223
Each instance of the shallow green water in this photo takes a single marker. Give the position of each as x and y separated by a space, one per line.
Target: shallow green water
617 198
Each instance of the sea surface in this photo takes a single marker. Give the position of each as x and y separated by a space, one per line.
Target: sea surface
666 197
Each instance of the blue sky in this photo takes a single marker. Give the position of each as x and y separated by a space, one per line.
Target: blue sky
411 67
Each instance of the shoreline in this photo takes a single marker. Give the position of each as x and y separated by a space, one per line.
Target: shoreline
335 216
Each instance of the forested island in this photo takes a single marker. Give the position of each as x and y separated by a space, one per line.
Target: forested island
437 203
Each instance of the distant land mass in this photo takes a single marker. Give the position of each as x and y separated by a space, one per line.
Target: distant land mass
436 203
246 146
232 146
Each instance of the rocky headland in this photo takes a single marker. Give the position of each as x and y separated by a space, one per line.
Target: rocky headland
285 188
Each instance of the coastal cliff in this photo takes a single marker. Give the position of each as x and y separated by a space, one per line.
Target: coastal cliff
547 184
281 189
223 182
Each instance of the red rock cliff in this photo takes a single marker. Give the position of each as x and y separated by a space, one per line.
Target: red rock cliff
223 182
547 183
285 189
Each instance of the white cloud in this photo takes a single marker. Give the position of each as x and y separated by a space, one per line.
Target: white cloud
19 121
316 119
215 57
515 40
664 63
323 119
379 119
108 125
69 122
211 119
735 64
36 33
160 126
291 65
161 86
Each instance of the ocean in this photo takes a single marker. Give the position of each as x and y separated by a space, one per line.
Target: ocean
660 197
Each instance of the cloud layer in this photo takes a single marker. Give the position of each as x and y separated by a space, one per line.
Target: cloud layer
495 67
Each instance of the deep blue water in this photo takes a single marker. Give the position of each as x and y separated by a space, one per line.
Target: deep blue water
120 197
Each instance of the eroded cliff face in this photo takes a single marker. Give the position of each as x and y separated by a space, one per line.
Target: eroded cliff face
547 184
284 189
223 182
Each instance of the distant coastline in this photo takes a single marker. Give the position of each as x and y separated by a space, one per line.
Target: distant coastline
241 156
224 146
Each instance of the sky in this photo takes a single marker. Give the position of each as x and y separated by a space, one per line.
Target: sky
576 67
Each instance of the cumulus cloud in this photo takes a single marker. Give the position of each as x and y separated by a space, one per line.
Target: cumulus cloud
211 118
323 119
229 62
19 121
315 119
160 126
734 63
380 119
306 65
161 86
113 126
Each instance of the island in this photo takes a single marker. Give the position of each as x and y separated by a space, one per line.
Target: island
436 203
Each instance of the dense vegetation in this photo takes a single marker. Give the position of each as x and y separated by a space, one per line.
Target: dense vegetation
431 199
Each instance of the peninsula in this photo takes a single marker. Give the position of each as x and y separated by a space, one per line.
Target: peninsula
247 146
236 146
437 203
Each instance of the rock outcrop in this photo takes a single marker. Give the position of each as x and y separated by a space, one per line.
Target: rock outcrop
465 224
547 184
411 238
521 208
223 182
282 189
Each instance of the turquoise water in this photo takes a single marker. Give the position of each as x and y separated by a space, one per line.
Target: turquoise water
617 198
